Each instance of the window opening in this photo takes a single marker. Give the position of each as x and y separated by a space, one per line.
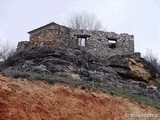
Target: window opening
112 43
82 41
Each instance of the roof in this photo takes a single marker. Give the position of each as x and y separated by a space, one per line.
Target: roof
52 23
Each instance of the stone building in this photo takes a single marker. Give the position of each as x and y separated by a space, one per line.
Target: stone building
96 42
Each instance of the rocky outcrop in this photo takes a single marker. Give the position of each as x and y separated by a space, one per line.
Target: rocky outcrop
132 67
63 62
137 73
129 72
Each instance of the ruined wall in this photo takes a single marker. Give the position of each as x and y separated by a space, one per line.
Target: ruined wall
22 45
52 34
97 42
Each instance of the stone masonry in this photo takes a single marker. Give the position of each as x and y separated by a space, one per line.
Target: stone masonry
96 42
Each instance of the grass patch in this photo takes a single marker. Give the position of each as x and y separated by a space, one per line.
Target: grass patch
138 98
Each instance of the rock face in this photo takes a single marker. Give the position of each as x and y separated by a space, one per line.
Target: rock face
132 67
61 62
130 72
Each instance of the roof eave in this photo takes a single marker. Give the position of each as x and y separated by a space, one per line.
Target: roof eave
52 23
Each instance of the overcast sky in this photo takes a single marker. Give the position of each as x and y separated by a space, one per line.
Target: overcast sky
140 18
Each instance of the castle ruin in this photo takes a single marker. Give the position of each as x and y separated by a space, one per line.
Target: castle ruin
96 42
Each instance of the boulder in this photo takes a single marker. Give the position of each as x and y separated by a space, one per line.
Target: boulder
40 68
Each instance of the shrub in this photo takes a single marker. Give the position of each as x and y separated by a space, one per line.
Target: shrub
153 59
6 51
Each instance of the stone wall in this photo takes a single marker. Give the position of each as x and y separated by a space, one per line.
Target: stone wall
51 32
22 45
96 42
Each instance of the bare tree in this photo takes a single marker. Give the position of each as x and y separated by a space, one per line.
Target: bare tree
153 59
84 20
6 51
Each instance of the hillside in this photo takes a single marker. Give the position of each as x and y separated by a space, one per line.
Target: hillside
52 83
21 99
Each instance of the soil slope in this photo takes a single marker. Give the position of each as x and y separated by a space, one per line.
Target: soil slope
30 100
